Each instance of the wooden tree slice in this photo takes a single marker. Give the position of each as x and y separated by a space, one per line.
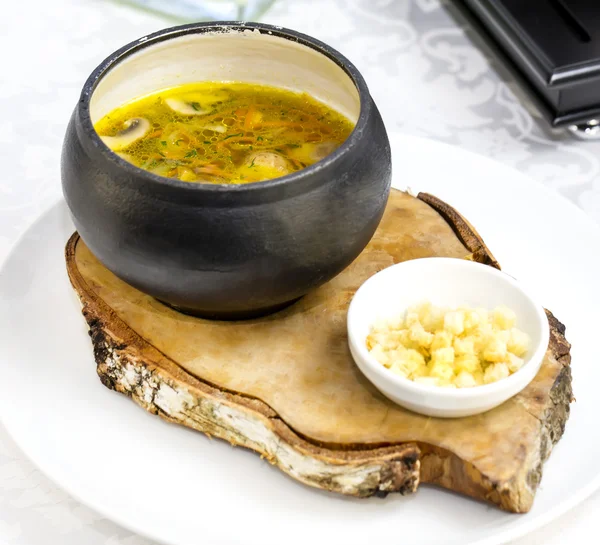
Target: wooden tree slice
286 386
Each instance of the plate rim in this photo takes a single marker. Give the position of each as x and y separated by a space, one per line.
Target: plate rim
521 528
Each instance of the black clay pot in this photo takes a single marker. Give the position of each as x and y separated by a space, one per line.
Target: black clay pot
227 251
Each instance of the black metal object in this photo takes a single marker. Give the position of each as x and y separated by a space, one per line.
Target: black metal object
554 48
227 251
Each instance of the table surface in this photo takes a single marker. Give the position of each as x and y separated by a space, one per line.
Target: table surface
428 73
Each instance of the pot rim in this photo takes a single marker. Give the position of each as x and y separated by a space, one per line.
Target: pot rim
296 178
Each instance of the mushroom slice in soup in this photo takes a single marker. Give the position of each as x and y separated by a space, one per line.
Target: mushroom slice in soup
269 160
196 103
134 129
264 165
185 108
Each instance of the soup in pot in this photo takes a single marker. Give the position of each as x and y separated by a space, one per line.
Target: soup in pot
225 133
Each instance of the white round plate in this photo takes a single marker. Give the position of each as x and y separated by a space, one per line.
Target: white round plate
177 486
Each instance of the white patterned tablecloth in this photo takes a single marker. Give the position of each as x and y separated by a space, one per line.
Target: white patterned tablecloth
426 71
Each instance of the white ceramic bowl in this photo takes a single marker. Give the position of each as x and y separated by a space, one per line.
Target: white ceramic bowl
444 282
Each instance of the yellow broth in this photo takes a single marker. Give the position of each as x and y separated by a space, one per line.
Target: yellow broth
226 133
